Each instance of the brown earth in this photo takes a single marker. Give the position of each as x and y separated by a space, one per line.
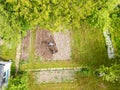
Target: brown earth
60 50
42 47
26 47
43 38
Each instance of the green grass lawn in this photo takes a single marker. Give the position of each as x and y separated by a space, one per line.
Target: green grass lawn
55 86
88 47
48 64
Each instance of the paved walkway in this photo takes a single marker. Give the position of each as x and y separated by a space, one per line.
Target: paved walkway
55 75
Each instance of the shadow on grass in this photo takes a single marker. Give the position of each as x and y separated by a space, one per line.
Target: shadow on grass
88 47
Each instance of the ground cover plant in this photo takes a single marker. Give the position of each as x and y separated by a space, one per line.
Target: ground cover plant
19 82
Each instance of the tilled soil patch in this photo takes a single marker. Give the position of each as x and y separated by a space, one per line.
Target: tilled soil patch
49 46
43 39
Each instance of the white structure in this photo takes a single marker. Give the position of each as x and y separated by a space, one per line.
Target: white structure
4 73
109 44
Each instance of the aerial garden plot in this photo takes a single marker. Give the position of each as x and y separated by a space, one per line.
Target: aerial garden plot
60 45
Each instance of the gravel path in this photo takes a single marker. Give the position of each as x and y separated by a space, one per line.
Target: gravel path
55 75
62 40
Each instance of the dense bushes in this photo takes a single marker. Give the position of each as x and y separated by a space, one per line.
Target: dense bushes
116 29
111 73
18 82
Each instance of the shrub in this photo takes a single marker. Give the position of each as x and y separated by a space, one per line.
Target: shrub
18 82
111 73
83 72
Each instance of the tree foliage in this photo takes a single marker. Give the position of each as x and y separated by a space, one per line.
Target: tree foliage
115 25
50 14
6 31
106 17
56 14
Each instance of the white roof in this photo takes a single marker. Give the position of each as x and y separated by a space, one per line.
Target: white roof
5 62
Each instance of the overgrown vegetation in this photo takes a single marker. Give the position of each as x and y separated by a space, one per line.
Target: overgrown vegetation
115 15
7 52
111 73
47 64
55 86
19 82
88 46
86 19
89 49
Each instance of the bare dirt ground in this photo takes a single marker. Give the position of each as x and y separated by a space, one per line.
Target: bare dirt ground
26 46
60 50
43 49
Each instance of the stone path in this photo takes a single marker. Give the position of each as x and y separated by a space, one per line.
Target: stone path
55 75
62 40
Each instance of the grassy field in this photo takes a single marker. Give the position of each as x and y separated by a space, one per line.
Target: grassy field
88 49
82 83
75 86
57 86
51 86
48 64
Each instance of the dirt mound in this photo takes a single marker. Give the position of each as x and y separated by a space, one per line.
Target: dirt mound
45 44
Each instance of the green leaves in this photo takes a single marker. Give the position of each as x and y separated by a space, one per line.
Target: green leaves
11 1
103 17
50 14
19 82
115 25
111 73
56 15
